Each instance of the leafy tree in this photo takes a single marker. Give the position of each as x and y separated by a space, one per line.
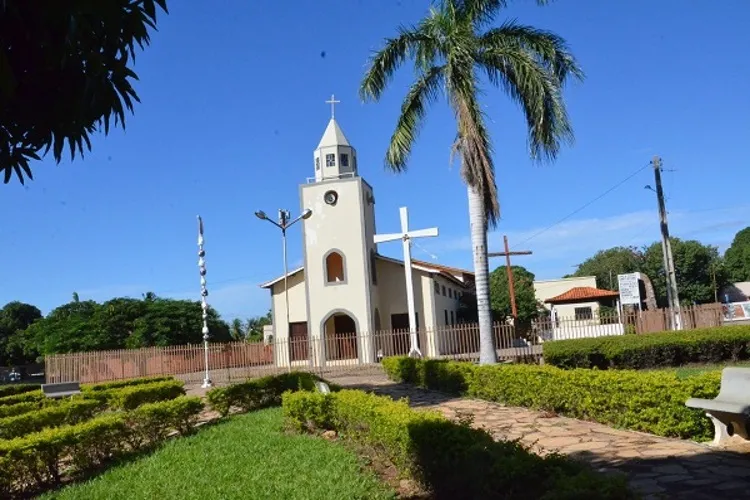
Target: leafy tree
523 281
14 317
607 264
693 263
66 72
452 48
236 329
737 257
254 326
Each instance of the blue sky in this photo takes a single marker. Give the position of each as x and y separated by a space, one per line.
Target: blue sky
233 104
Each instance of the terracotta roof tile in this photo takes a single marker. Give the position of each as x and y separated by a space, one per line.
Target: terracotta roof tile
581 294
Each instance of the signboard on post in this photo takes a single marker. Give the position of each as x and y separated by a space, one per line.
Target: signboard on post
630 292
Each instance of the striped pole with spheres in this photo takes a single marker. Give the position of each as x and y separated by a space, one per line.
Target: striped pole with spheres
204 305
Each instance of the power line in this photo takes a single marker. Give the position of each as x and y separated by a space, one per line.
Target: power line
574 212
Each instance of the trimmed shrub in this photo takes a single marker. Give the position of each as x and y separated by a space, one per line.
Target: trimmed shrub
131 397
452 460
10 390
67 413
116 384
19 408
259 393
35 461
651 350
21 398
152 422
643 401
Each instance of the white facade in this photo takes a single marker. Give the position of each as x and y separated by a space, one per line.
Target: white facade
345 288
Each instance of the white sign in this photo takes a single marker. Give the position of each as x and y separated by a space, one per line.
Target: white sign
630 292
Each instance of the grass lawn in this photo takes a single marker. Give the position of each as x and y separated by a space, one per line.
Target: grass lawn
248 456
697 369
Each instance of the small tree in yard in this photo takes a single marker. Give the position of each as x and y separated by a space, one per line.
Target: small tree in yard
65 72
452 47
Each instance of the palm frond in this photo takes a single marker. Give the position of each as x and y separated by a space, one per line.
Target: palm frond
386 61
422 93
537 91
548 48
482 12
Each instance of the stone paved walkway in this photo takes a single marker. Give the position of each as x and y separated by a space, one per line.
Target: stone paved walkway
657 467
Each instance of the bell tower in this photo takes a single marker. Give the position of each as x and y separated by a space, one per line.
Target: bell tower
339 251
335 158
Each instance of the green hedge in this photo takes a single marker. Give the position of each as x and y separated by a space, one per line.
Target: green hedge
651 402
10 390
117 384
650 350
451 460
19 408
133 396
37 461
21 398
67 413
259 393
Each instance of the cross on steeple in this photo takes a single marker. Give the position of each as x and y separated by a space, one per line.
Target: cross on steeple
333 103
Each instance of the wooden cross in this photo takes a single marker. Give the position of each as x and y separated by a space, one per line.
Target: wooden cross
511 287
405 236
333 102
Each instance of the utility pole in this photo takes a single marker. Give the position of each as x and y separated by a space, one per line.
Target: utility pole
673 298
511 286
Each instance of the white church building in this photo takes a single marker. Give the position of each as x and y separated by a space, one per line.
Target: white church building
346 291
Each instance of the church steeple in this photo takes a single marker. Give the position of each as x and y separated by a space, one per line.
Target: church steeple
335 158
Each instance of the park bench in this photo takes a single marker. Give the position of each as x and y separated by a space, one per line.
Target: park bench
61 390
730 410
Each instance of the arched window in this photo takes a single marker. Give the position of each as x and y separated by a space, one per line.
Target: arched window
335 272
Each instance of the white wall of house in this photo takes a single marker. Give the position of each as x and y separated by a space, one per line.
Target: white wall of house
546 289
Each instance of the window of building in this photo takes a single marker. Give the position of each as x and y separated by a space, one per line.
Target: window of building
317 163
330 160
453 321
583 313
437 288
450 293
443 290
335 268
446 317
344 160
373 267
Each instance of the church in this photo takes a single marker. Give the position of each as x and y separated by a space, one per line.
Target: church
346 291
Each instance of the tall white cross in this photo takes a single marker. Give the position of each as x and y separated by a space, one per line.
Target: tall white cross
333 102
405 235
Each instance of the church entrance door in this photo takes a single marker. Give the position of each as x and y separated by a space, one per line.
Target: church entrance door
299 343
400 336
341 337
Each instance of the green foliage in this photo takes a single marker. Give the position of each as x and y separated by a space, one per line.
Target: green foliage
10 390
693 264
526 302
116 384
254 327
81 326
37 460
651 350
65 413
259 393
607 264
133 396
643 401
25 397
66 73
152 422
19 408
737 257
14 316
450 459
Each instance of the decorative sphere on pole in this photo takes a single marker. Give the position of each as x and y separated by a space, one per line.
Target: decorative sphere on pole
204 305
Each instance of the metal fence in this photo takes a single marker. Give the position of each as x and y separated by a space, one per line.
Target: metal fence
342 353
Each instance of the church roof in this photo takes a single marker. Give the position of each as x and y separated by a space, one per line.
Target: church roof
269 284
333 136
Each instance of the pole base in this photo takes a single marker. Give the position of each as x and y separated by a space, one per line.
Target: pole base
207 383
414 352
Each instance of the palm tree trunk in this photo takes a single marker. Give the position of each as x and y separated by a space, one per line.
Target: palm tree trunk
478 222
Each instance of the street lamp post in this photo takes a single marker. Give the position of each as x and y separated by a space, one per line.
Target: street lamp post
204 304
283 224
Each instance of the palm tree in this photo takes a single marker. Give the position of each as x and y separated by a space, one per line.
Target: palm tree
236 329
452 49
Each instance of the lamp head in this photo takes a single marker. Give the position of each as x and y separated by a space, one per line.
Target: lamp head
261 215
307 213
